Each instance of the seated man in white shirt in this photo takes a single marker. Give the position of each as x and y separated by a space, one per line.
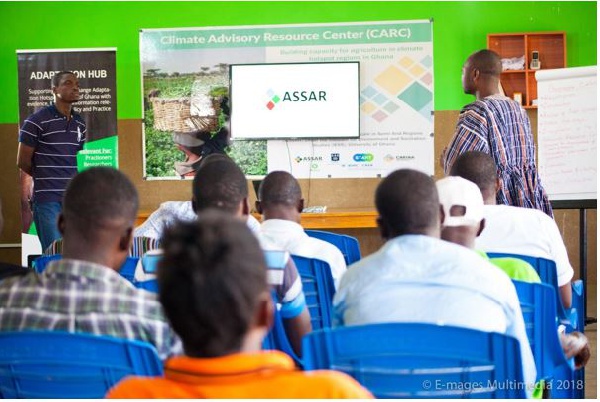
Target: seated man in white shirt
512 229
280 202
417 277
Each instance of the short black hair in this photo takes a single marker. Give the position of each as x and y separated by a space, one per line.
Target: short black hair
407 202
477 167
487 62
219 183
210 279
279 188
58 76
99 195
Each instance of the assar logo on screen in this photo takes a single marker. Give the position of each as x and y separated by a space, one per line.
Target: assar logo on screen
295 96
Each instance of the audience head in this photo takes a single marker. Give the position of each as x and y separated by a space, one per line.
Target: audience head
407 203
481 70
280 197
99 212
220 183
463 210
213 285
479 168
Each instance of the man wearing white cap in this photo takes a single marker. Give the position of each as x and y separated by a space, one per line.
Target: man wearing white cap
462 203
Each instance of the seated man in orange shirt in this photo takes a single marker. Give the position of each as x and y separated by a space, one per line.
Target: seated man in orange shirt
213 288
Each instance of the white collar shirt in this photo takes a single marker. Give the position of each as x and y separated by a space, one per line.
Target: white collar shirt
290 236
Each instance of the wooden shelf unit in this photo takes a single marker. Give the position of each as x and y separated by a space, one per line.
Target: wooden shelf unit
553 54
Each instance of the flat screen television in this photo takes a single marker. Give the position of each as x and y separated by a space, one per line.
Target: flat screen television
294 100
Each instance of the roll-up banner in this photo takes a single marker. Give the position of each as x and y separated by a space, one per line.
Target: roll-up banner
96 71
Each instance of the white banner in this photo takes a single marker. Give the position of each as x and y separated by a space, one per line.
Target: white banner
396 88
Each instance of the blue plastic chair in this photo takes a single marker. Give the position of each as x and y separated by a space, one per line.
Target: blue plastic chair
318 287
546 269
46 364
411 360
348 245
538 305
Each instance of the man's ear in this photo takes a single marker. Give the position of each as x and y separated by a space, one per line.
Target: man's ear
126 239
61 224
300 205
258 207
481 227
497 184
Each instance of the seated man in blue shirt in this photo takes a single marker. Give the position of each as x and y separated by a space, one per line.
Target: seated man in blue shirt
417 277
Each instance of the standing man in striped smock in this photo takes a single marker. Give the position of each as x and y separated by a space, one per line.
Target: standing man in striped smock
48 144
499 126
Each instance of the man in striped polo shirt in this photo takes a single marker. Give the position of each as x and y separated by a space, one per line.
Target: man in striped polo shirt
48 144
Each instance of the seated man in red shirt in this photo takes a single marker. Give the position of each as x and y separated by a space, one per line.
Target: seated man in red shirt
213 288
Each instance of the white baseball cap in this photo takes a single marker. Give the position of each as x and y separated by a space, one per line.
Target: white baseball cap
456 191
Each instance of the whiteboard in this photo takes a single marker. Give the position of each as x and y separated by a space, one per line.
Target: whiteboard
567 130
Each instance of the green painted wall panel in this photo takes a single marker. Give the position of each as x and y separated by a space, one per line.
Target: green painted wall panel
459 29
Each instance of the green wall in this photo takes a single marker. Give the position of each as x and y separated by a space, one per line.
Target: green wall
459 29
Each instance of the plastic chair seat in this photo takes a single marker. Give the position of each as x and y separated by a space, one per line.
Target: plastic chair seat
407 360
48 364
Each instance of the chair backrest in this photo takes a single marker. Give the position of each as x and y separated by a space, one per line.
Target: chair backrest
348 245
546 269
538 305
46 364
317 284
412 360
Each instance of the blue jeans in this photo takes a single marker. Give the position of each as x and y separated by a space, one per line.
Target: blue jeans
45 216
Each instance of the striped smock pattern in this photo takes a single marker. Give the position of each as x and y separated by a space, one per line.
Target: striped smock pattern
500 127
